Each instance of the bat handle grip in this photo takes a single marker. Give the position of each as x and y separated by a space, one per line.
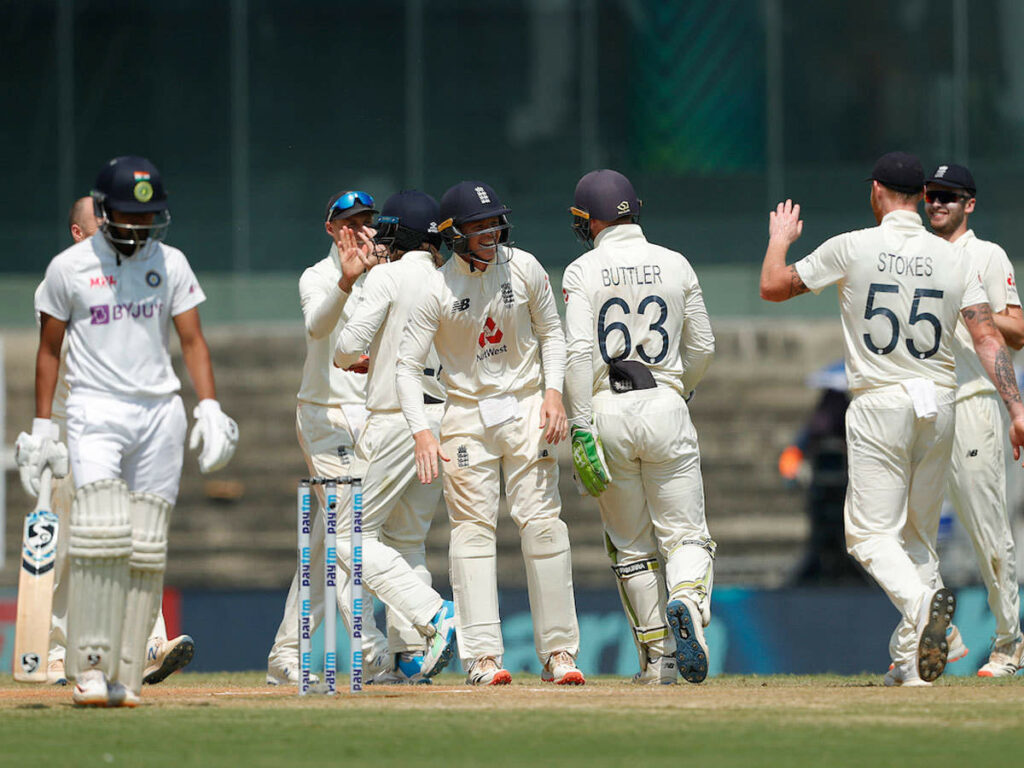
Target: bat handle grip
45 487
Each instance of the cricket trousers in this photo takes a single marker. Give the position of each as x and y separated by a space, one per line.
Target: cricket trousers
472 485
898 465
977 488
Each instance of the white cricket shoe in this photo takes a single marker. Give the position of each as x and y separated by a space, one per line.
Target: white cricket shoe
660 670
91 689
904 675
375 667
164 657
55 673
1004 661
561 669
691 647
485 671
957 648
119 696
932 646
285 673
439 645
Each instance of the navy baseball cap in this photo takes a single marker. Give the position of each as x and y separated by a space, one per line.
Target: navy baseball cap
606 195
955 176
900 171
413 210
131 184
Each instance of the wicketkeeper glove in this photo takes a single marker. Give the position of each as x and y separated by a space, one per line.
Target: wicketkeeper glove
588 458
218 434
34 452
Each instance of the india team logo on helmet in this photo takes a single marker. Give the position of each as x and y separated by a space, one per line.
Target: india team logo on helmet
130 185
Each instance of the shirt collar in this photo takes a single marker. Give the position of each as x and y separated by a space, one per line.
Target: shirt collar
620 233
418 257
902 219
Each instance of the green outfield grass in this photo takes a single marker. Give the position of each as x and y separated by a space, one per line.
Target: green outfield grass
233 720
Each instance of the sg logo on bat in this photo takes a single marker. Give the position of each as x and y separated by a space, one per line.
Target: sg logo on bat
40 542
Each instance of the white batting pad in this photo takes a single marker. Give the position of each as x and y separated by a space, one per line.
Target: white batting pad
151 516
99 549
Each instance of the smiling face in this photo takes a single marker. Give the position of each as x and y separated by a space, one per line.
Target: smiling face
947 209
483 244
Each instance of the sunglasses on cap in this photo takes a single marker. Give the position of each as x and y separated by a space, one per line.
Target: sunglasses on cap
349 199
944 196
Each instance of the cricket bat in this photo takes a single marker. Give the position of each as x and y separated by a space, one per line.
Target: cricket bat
35 588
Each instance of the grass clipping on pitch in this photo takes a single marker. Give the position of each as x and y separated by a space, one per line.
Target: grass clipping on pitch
230 720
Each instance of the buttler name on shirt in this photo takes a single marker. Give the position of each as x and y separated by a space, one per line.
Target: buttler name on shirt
647 274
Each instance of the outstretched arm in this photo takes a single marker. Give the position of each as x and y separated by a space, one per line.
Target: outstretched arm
780 282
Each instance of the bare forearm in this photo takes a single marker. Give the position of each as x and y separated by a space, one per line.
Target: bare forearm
778 281
1011 328
197 360
47 367
996 360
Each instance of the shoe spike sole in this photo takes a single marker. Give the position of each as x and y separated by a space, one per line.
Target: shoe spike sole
692 660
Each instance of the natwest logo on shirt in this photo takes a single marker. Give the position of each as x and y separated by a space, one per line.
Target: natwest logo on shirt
102 281
491 334
1009 280
102 314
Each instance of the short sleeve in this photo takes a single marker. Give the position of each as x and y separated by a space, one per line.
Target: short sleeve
185 290
825 265
974 290
1007 282
54 294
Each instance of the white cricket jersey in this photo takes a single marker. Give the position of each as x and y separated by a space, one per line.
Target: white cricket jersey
326 308
901 290
118 311
58 409
989 261
628 299
492 331
388 294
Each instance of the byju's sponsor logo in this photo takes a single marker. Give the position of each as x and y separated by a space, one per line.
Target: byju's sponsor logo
100 314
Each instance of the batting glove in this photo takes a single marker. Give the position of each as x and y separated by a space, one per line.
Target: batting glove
34 452
217 432
588 459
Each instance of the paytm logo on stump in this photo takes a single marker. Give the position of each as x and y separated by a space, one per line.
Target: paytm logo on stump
102 314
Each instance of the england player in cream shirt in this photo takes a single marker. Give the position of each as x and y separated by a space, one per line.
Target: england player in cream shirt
397 508
977 480
901 291
639 341
329 415
491 316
